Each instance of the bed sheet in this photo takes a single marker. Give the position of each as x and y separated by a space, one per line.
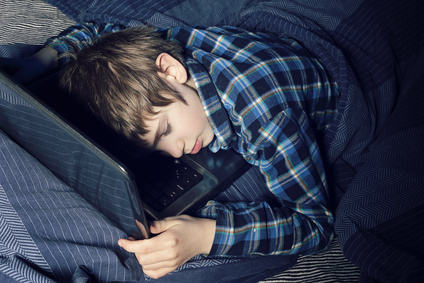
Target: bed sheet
358 41
25 27
360 59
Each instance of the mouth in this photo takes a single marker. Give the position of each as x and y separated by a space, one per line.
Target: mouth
197 146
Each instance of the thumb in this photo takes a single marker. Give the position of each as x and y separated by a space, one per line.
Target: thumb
130 244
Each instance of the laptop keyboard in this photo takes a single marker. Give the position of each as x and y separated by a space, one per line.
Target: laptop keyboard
163 186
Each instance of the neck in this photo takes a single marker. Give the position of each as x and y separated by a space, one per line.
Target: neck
190 83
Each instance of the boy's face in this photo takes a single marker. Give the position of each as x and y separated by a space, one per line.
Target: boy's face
179 128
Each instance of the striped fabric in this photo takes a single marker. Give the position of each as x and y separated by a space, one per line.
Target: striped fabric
40 219
30 22
74 162
328 267
373 81
264 82
62 235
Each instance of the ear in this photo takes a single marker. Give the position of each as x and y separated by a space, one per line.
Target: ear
171 68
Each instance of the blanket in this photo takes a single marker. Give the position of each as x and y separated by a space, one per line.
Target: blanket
358 41
353 39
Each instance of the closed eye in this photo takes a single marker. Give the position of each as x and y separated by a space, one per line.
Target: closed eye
160 134
167 130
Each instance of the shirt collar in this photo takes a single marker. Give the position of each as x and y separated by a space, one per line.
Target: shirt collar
214 109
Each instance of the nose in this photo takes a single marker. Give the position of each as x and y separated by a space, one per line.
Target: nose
176 154
177 149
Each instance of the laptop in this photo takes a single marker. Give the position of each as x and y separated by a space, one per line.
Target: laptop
122 180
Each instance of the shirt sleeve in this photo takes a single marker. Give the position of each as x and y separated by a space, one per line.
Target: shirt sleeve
301 223
278 98
78 37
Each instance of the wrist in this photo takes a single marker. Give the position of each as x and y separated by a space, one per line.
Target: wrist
208 228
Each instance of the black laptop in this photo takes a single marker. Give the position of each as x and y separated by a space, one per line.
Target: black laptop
124 181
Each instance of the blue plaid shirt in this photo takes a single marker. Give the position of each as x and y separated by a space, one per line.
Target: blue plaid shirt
267 98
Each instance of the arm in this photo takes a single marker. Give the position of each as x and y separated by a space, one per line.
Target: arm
300 224
78 37
72 39
179 239
275 110
25 70
299 221
292 166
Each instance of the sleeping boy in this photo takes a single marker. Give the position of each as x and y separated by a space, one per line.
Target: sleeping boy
182 89
262 95
341 94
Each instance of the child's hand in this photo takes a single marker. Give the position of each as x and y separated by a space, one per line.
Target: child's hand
25 70
181 238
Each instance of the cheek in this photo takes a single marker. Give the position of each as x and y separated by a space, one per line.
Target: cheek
165 148
193 126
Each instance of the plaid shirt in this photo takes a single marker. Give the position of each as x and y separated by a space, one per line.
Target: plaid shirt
267 98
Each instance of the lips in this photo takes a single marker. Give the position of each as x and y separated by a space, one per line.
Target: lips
197 147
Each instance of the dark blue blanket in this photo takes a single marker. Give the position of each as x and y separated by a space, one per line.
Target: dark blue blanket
360 43
374 50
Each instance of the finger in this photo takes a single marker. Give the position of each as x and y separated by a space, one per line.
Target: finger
157 260
158 273
142 228
159 226
156 227
160 268
131 245
143 247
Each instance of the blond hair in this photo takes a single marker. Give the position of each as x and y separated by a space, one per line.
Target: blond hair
117 78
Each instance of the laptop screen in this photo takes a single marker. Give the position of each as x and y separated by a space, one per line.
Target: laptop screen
70 155
104 174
